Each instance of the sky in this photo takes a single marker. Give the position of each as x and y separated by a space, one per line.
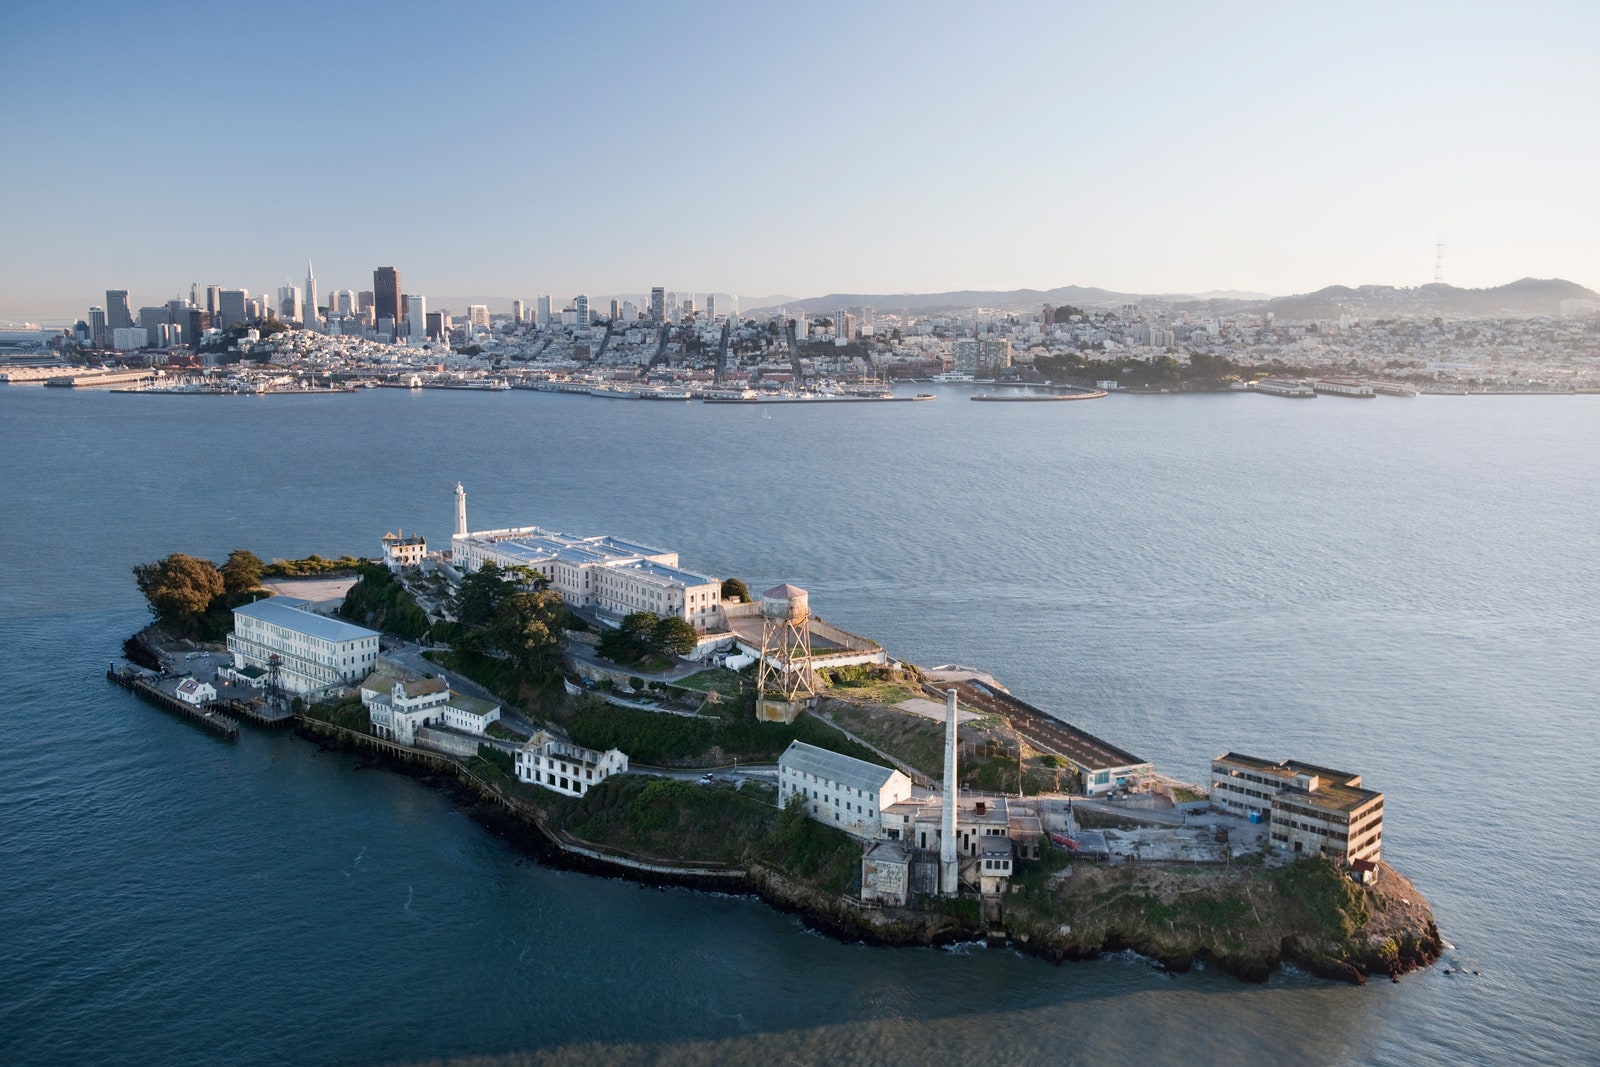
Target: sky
498 150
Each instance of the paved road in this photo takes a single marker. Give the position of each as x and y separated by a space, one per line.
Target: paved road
409 656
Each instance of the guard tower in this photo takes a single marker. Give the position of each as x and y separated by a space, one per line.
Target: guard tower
785 683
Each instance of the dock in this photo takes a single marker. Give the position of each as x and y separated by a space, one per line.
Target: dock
1034 398
203 715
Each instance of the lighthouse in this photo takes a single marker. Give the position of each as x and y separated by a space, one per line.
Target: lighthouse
461 511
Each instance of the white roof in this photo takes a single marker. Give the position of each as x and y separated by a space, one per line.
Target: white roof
290 614
836 767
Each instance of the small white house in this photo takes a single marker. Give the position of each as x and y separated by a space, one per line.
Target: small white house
196 693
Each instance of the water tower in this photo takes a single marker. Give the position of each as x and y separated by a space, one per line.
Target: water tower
785 683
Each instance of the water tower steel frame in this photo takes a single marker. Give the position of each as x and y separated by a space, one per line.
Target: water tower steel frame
785 672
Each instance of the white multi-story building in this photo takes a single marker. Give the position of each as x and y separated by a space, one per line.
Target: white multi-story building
398 707
566 767
400 550
310 652
1310 810
610 575
840 790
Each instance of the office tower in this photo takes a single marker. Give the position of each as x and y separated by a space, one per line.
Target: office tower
417 317
213 300
118 315
386 294
312 320
365 302
630 311
231 307
289 307
177 310
616 309
582 305
544 311
518 311
151 319
711 307
199 322
435 321
658 304
688 305
99 332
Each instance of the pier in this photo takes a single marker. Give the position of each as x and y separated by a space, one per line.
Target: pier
203 715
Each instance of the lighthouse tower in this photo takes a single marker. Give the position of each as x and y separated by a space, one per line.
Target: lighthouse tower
461 511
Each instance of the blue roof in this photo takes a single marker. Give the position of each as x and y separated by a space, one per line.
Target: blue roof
290 613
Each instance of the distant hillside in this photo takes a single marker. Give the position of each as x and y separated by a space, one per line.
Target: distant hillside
959 300
1528 296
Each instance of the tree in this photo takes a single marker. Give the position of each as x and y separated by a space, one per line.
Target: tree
178 587
672 634
242 572
733 587
527 628
481 594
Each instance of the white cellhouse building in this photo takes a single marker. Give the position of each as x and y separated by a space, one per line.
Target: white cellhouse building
313 652
608 574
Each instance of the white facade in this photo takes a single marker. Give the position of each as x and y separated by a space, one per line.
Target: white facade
840 790
402 551
193 692
567 768
397 708
312 652
605 573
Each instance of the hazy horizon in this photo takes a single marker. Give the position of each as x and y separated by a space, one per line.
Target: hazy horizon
717 147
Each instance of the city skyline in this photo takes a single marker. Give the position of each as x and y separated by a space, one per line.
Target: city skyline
1154 150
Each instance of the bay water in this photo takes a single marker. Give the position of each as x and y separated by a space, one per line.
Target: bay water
1404 588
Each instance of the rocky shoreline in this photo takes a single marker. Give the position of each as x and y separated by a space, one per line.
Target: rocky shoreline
1397 936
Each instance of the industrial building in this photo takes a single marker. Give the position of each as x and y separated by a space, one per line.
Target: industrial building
1310 810
300 651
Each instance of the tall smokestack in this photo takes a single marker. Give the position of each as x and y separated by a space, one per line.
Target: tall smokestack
949 874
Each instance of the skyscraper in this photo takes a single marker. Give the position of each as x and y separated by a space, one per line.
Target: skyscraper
98 331
213 300
518 312
417 317
582 304
711 307
386 294
311 320
658 304
118 315
232 307
289 307
544 311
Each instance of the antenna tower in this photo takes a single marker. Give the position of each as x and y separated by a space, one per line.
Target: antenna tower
1438 261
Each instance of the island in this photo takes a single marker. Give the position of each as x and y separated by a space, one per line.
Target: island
595 703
